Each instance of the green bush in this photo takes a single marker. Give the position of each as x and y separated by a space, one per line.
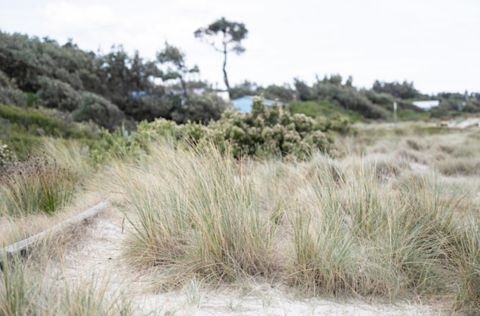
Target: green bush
98 110
9 95
57 94
202 108
117 144
264 132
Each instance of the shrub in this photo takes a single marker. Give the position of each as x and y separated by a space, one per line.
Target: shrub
57 94
264 132
200 108
118 144
12 96
37 185
99 110
6 156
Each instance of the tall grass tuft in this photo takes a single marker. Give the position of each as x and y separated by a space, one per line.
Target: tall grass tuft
336 227
468 262
24 290
38 185
194 211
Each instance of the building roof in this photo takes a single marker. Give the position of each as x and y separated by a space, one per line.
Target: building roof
427 104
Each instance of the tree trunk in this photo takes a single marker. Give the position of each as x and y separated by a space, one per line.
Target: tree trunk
184 88
225 76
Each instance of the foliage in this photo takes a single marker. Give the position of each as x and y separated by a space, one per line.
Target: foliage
9 95
31 120
119 144
22 129
38 122
404 90
349 98
275 92
99 110
346 96
245 88
7 157
453 104
174 59
265 132
103 88
201 109
323 110
54 93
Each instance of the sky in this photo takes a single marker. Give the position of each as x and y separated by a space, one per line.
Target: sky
434 43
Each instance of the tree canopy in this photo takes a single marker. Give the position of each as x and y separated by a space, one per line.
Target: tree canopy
225 36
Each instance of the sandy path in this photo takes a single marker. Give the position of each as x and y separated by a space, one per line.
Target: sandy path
98 255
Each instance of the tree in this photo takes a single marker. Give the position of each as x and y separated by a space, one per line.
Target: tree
225 36
404 90
174 58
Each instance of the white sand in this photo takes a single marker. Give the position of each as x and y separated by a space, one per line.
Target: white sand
98 255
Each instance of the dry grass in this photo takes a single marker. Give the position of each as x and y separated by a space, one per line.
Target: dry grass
380 219
356 226
44 190
25 290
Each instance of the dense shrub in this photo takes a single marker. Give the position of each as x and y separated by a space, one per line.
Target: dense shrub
404 90
99 110
14 96
57 94
349 98
200 108
264 132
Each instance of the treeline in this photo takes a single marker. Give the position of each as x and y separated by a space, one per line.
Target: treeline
109 89
119 89
375 103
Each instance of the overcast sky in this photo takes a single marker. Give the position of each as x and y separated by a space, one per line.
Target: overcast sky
435 43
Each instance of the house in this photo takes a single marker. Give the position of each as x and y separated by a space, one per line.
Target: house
244 104
427 104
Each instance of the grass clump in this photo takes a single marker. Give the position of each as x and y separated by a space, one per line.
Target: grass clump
459 166
338 227
37 185
24 290
195 215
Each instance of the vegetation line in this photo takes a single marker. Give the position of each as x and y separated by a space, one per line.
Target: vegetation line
22 247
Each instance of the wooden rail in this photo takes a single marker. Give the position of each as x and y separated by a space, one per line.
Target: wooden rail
22 247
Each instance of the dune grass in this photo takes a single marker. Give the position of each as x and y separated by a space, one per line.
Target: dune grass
25 290
44 183
335 227
380 219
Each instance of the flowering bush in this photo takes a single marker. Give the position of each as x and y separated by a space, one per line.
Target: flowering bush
266 131
6 155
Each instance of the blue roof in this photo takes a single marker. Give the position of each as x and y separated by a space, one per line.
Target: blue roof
244 104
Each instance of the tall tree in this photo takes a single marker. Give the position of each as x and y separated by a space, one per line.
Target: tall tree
174 59
225 36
